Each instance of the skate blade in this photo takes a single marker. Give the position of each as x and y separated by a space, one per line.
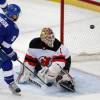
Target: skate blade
67 88
17 94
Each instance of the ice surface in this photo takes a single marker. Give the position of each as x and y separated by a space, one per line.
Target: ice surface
37 14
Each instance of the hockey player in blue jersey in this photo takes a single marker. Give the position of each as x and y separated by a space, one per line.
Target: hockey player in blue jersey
8 34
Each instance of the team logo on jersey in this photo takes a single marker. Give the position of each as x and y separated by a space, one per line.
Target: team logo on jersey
45 61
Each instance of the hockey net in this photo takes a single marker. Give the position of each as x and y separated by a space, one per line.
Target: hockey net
82 41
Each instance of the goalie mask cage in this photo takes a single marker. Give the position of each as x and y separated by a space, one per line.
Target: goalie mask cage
75 32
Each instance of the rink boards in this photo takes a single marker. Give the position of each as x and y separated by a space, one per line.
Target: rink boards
87 4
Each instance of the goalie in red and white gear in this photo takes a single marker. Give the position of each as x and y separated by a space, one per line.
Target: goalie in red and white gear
46 56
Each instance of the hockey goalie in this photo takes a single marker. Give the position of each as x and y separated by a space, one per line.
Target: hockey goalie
49 60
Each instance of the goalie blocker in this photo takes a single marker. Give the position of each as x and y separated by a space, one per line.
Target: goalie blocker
46 56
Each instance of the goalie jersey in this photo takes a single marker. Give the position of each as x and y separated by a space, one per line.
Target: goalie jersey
39 54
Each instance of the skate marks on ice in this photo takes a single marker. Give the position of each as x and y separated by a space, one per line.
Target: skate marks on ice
84 84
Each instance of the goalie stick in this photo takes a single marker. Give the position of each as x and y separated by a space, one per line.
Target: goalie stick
35 83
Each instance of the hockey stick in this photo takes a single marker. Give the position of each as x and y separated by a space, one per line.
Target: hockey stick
35 83
65 71
47 84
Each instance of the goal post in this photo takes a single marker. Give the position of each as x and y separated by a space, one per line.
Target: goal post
62 21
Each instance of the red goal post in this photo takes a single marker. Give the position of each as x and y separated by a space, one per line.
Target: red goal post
62 22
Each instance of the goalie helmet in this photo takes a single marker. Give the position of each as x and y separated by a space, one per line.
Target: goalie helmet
47 36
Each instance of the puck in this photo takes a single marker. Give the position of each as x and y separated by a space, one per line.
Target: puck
92 26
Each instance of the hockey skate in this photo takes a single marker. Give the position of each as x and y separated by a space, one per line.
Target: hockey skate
14 88
66 81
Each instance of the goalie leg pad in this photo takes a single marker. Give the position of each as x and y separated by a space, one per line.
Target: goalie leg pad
49 74
46 75
25 74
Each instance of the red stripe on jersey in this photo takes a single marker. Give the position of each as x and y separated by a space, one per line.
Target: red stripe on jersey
32 61
60 58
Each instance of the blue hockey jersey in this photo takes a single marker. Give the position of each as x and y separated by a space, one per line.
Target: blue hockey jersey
8 33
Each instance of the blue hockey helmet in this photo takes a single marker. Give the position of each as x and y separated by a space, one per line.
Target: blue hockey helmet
13 11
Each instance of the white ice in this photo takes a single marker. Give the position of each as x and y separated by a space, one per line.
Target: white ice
79 38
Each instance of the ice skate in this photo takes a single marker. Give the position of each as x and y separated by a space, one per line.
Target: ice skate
14 88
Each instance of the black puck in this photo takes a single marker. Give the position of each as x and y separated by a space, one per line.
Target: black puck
92 26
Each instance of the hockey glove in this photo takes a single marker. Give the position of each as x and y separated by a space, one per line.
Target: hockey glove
13 56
